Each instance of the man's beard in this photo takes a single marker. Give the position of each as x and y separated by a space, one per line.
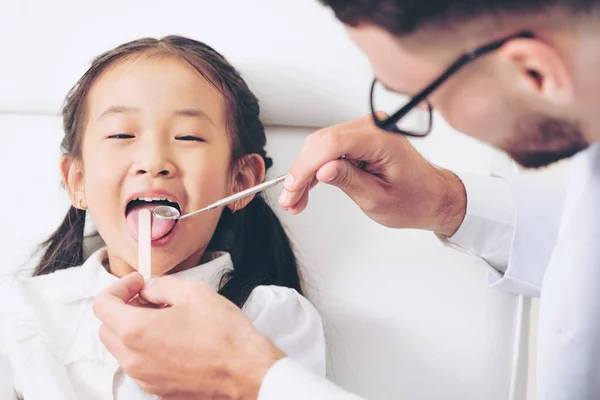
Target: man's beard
544 141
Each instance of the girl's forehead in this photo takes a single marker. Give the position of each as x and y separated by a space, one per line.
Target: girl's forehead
154 84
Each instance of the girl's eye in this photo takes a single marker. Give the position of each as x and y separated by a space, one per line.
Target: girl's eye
122 136
190 138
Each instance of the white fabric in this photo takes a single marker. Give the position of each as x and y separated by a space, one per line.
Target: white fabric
511 224
556 253
490 213
290 381
569 321
50 339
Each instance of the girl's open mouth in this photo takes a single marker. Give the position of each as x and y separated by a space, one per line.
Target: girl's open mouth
161 228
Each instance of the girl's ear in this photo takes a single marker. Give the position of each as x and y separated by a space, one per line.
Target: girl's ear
250 171
72 176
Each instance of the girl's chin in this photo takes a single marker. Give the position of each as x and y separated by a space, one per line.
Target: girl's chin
162 264
166 259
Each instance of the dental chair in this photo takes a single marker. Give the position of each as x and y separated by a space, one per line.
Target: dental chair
405 316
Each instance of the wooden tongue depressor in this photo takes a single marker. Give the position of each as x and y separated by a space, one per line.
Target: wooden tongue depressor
145 244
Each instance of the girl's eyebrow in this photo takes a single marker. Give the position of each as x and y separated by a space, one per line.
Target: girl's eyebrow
194 113
185 112
118 110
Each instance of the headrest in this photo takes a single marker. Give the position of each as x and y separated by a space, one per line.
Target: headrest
294 54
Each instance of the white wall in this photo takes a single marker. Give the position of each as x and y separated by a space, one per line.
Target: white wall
294 54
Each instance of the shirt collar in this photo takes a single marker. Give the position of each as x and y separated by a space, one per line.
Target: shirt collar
93 277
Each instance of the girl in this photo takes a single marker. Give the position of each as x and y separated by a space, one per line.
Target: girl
153 122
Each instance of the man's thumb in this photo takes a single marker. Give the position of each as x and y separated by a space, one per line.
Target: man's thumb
355 182
165 290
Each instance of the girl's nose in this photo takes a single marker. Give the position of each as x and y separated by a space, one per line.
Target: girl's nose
156 165
154 157
163 172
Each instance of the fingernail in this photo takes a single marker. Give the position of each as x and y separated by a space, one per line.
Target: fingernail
330 178
288 184
284 198
149 283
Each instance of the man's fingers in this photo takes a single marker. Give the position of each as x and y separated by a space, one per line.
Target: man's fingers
358 184
330 172
169 290
322 147
300 205
126 288
303 202
112 342
111 306
129 358
108 338
340 173
139 301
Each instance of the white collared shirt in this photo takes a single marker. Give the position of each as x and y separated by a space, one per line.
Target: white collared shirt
552 249
535 241
569 319
50 348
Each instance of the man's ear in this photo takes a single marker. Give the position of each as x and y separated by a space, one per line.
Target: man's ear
541 69
72 176
249 171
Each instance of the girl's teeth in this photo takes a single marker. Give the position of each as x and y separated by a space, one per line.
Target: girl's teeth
150 199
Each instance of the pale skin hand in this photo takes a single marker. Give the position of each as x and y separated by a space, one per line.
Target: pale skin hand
396 187
200 347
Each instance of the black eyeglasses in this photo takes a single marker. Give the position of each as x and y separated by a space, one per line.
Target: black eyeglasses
420 122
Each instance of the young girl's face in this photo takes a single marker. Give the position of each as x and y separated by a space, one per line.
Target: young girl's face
155 129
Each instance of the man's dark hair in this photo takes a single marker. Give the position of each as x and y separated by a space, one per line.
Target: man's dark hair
402 17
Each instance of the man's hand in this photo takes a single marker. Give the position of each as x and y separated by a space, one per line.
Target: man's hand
383 173
201 346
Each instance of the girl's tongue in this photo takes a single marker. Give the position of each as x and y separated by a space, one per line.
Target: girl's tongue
160 227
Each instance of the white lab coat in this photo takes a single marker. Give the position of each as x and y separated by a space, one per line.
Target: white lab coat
50 348
519 229
569 322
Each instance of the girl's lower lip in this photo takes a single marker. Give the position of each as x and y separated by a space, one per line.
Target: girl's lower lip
163 241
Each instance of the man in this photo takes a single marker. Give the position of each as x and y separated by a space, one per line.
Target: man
528 83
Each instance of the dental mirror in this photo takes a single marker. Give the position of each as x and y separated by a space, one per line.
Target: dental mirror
168 212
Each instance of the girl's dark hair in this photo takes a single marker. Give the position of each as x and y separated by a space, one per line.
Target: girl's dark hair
259 247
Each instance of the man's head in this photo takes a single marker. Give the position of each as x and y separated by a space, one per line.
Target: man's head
536 98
